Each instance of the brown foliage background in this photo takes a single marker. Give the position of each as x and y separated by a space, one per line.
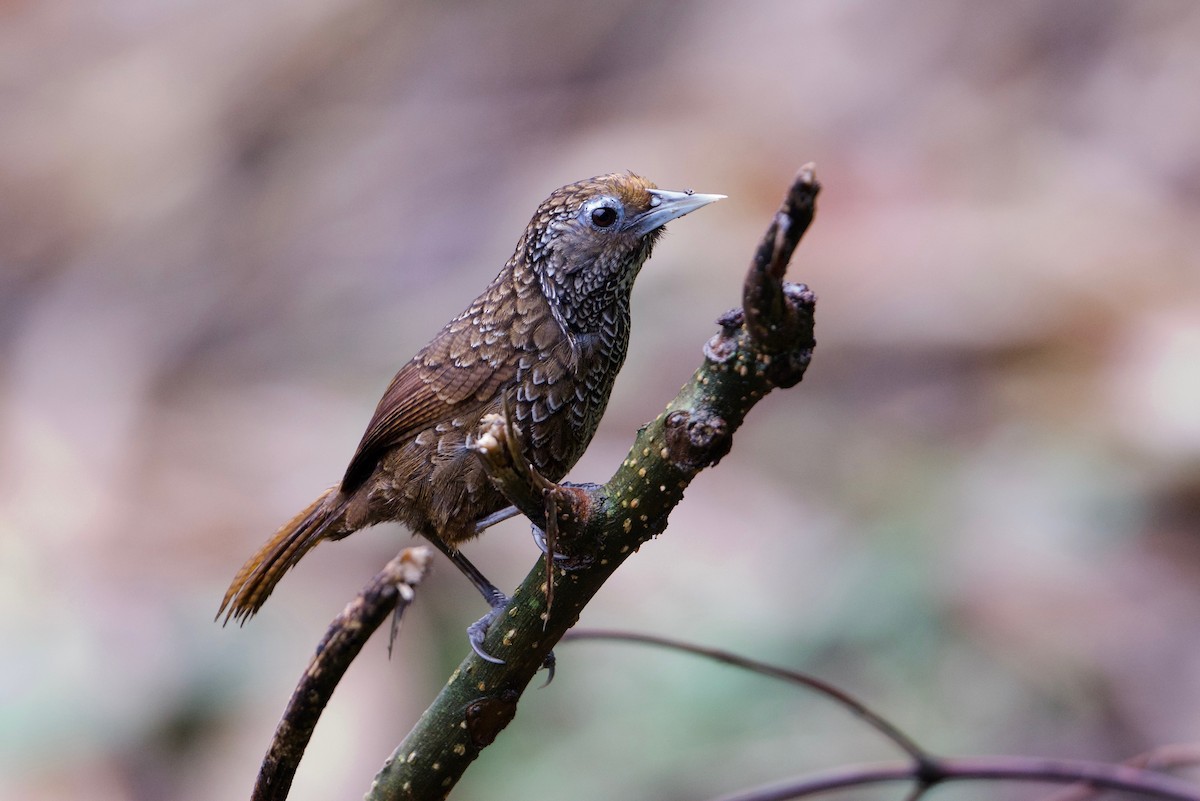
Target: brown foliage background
224 225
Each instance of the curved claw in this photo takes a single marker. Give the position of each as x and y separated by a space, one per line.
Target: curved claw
549 663
565 561
539 539
477 631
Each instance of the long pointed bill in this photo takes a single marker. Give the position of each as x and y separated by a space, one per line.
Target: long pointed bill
666 206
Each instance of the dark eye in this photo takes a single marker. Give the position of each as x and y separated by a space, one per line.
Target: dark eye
604 216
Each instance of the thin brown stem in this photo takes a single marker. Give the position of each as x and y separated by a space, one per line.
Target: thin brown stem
940 771
1166 757
390 590
845 699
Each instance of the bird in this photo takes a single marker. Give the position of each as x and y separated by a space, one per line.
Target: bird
544 340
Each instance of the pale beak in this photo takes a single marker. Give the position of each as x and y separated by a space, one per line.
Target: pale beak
666 206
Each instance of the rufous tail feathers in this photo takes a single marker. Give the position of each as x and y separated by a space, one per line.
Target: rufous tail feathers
258 577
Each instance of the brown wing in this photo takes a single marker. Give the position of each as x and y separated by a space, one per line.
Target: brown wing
463 368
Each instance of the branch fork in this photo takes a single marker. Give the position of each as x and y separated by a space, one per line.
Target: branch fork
766 344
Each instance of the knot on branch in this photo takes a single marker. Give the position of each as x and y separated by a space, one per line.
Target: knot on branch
696 440
723 345
787 366
487 717
573 502
572 505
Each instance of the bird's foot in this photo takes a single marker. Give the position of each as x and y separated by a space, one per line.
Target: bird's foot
485 523
568 562
477 631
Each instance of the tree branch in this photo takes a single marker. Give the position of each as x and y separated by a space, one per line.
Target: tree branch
602 525
1138 774
838 695
1164 757
391 589
938 771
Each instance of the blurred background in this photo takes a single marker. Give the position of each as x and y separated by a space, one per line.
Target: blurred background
225 225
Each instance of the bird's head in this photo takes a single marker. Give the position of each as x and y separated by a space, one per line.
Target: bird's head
588 240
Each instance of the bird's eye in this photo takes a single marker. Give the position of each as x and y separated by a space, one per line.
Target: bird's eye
604 216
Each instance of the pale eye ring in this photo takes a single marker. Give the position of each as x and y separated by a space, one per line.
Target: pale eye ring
603 213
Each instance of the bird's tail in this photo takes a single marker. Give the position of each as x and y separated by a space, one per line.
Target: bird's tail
258 577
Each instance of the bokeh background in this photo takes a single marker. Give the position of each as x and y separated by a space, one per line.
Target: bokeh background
224 225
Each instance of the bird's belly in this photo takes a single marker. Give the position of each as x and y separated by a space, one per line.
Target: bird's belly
437 487
434 484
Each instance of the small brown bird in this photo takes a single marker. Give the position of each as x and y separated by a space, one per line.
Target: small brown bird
549 334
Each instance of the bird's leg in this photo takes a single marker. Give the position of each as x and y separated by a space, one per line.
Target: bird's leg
497 600
490 592
495 517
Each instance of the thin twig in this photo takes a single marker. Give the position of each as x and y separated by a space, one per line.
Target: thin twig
769 320
1023 769
1166 757
390 589
845 699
